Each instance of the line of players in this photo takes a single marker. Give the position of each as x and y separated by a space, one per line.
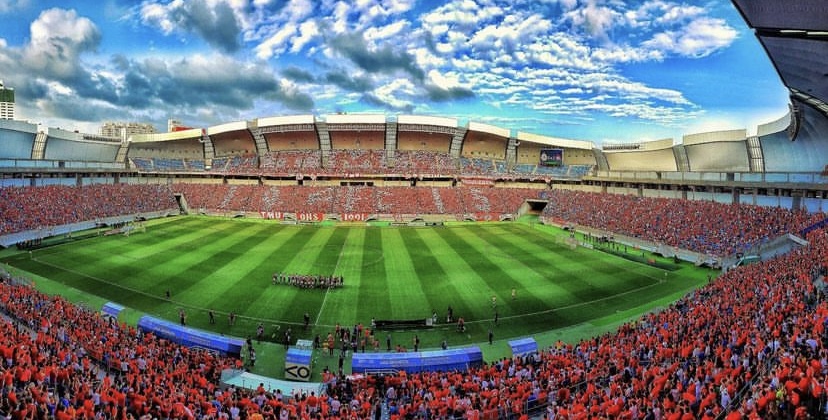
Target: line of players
309 281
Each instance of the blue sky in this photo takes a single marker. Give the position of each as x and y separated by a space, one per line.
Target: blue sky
598 70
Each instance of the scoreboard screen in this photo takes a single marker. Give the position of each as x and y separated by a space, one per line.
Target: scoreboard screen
551 157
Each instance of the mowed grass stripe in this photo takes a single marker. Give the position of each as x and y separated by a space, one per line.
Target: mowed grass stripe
542 276
118 243
550 257
405 290
585 274
240 270
94 275
342 304
126 277
192 260
303 262
442 292
162 239
628 287
374 279
499 280
281 301
164 249
365 294
120 251
611 264
189 269
470 287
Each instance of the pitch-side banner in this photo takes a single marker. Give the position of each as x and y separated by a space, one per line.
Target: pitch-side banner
310 217
301 217
354 217
272 215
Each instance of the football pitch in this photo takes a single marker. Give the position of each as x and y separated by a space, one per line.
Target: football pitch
390 273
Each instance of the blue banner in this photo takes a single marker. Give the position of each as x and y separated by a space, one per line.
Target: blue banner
423 361
111 309
523 346
191 337
298 356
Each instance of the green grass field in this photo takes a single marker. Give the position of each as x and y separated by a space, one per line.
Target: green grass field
390 273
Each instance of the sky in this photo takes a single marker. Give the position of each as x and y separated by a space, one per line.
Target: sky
607 71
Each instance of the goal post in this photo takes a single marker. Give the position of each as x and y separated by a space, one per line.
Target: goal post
569 241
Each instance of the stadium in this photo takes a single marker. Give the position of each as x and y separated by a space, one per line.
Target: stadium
355 265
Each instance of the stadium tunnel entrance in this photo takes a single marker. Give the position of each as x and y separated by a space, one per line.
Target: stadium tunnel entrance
532 207
182 203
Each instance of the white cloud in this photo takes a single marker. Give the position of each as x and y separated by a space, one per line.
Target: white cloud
297 10
291 29
7 6
58 38
678 13
445 81
655 13
594 19
465 15
426 59
158 14
396 92
276 43
466 64
384 32
339 17
308 31
699 38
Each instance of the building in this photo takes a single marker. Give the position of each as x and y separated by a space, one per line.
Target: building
6 102
174 125
123 130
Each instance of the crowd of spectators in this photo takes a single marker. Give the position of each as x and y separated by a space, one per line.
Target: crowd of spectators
423 162
350 162
236 164
291 162
354 199
703 226
30 208
356 161
750 344
477 166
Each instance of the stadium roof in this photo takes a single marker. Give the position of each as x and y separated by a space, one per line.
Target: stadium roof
794 33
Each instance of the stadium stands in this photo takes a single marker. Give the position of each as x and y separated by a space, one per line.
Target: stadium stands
350 162
355 199
700 226
291 162
247 164
26 208
476 166
423 162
